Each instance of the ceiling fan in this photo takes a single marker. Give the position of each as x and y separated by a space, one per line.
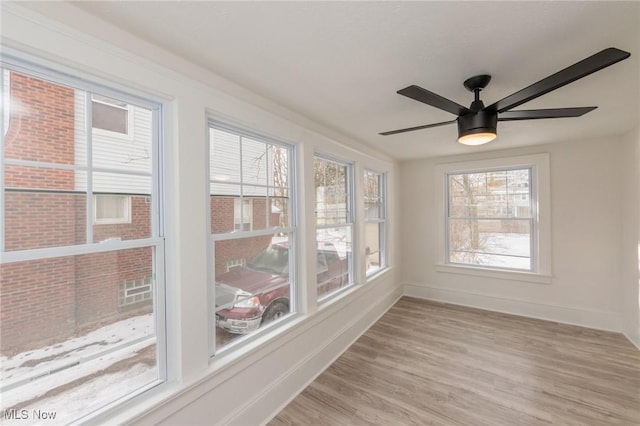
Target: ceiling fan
477 124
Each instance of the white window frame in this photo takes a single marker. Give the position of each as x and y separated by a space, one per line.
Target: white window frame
291 230
33 66
381 221
541 211
124 217
349 225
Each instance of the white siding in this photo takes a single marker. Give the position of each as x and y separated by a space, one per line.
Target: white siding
227 150
121 154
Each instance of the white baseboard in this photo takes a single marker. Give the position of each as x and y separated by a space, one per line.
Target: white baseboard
601 320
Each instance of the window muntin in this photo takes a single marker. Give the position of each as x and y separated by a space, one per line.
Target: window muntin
252 232
490 219
375 221
70 310
334 223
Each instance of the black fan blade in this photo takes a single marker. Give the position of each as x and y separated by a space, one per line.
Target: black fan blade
422 95
410 129
568 75
534 114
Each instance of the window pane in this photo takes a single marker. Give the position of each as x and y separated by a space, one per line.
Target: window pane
223 213
278 164
134 195
254 162
38 219
372 232
252 286
128 219
496 194
331 185
279 209
255 170
372 196
493 243
73 326
334 256
374 221
43 123
224 161
243 213
44 207
129 154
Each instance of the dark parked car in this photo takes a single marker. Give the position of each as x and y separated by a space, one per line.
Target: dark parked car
258 292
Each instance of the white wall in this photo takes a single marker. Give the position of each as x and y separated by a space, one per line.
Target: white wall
631 237
248 386
586 201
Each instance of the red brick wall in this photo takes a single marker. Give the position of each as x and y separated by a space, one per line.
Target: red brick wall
98 276
40 219
41 128
37 302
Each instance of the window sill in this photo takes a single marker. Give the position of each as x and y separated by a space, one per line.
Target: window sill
374 274
494 273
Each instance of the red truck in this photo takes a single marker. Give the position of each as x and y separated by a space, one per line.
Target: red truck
258 292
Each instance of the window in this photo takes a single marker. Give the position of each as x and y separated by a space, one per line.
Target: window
490 224
242 214
495 214
334 224
252 232
375 219
82 323
109 114
111 209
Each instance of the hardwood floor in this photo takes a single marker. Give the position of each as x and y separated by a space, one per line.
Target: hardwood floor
432 363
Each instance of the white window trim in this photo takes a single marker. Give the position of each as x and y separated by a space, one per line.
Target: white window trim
17 61
291 231
541 205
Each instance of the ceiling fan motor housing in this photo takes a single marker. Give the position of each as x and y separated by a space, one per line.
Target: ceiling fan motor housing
478 122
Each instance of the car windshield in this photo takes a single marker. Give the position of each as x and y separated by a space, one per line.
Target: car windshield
273 259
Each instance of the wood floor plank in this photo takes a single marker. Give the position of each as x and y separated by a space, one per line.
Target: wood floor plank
430 363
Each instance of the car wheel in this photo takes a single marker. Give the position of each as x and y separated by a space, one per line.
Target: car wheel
275 311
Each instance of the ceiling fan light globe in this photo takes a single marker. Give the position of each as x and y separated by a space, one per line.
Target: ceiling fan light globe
476 138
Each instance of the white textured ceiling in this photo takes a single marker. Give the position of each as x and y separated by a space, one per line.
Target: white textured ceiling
341 63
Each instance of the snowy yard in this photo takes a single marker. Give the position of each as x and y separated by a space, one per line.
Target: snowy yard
502 250
79 375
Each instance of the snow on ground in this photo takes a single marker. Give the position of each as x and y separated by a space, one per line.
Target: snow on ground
504 250
33 373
